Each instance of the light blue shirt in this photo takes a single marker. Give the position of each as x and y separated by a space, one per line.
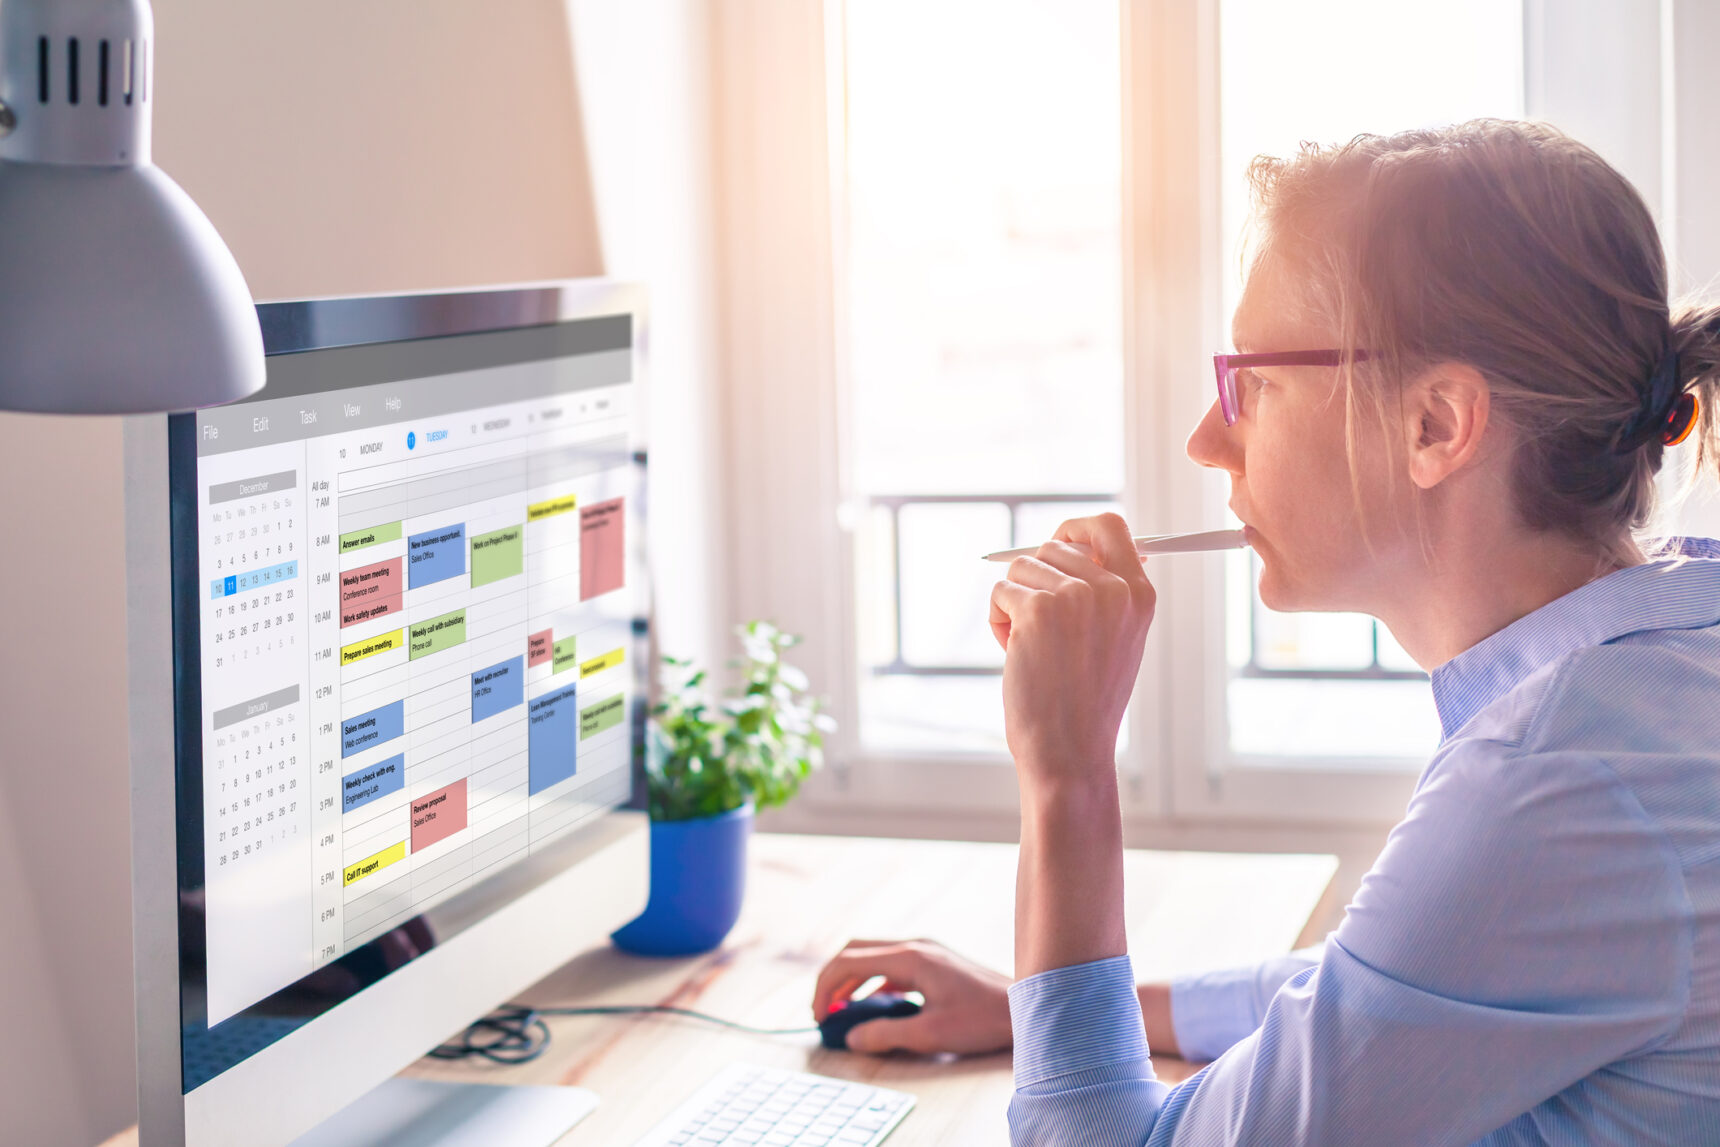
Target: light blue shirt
1534 958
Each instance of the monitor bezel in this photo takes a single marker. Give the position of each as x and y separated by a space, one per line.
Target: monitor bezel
159 721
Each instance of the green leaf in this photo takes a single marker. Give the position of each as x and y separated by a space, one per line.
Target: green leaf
704 759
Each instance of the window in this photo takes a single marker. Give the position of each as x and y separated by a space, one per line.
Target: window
979 177
980 172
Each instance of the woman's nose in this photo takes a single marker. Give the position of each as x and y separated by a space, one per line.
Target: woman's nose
1215 444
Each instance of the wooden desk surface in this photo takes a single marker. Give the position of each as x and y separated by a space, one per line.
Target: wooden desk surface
807 896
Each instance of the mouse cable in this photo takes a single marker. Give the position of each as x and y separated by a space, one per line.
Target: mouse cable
517 1033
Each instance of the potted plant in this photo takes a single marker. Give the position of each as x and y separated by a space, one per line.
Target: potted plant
708 769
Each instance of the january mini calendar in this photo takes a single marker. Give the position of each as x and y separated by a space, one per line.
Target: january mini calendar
256 786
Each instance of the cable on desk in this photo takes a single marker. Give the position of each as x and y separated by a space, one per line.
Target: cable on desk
517 1034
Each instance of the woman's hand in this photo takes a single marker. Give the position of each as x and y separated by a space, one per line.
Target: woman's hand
966 1009
1072 620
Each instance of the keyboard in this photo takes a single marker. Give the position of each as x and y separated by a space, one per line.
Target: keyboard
765 1106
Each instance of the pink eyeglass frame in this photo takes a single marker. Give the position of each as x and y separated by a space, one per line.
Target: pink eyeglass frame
1226 366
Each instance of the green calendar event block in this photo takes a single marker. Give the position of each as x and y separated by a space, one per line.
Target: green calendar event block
370 536
498 554
566 655
601 715
437 634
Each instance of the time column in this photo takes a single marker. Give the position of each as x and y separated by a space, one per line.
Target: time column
324 609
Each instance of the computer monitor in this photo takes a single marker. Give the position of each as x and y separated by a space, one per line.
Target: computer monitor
385 693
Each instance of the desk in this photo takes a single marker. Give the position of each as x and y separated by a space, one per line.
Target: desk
807 895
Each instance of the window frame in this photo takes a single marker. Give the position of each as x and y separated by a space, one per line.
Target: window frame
1176 318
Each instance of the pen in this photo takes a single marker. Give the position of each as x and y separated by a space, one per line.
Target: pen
1157 544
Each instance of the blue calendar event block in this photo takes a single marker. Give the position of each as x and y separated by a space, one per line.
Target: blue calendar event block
372 782
435 555
498 688
552 739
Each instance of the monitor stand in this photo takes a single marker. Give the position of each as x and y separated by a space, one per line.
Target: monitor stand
428 1113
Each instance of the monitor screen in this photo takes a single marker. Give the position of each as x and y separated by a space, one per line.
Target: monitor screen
404 611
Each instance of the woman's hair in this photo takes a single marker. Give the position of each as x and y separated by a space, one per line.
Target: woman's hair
1519 251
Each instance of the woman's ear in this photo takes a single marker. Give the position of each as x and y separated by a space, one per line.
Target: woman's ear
1445 414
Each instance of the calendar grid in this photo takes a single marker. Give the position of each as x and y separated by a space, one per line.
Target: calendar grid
409 653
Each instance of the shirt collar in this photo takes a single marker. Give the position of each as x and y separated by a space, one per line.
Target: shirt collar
1674 592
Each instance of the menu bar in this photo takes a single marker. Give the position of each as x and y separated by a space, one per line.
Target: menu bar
242 426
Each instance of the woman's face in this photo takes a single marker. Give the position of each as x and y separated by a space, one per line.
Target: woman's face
1290 479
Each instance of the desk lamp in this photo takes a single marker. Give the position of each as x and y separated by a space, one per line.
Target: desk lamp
116 294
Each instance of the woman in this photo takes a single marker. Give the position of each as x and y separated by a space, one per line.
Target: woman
1535 956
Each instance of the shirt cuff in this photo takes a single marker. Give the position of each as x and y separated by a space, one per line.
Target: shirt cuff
1075 1019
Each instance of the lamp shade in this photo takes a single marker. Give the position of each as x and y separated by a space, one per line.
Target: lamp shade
117 295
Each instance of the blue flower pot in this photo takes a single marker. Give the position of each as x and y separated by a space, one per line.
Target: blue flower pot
698 879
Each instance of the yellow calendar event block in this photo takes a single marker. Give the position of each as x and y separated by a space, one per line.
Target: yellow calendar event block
359 650
374 863
598 664
550 508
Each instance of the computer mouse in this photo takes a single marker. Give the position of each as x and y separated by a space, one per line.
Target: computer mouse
834 1028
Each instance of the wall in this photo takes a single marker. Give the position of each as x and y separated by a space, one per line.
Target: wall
390 145
645 78
66 855
65 895
340 148
1631 79
1692 133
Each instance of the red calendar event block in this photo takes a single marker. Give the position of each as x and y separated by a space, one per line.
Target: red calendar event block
439 814
602 549
369 592
540 647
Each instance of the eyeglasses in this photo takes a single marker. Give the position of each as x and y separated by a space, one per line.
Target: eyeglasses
1226 366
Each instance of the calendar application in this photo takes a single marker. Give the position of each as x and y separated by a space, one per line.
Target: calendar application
415 634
